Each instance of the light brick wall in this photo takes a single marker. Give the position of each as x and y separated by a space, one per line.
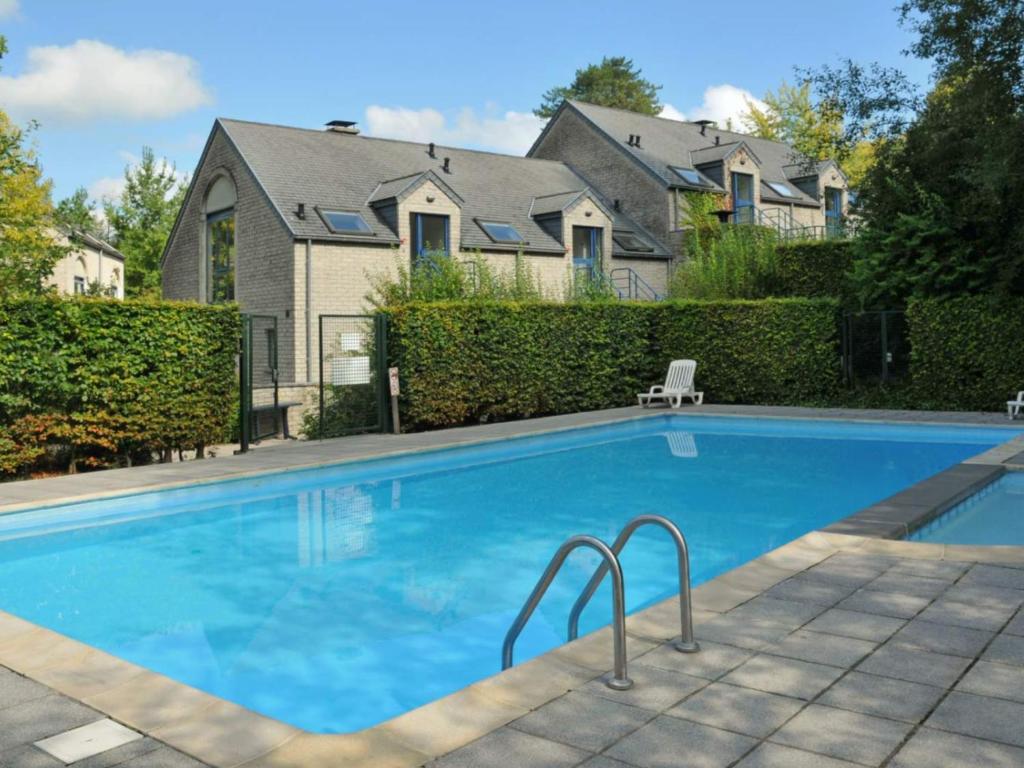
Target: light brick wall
93 265
655 273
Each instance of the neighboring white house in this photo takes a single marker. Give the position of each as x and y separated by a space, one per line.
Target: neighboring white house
91 261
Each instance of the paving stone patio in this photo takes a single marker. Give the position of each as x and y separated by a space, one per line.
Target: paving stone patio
861 660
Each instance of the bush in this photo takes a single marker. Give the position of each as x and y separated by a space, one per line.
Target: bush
814 268
467 362
966 353
94 382
727 262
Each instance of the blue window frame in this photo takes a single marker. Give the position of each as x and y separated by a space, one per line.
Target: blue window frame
430 234
833 208
586 249
743 198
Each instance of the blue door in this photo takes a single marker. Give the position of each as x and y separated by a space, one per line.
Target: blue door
833 211
430 236
743 198
586 250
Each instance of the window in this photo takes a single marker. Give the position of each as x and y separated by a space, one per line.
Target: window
586 249
743 198
627 241
429 234
500 232
345 222
220 256
781 189
691 176
79 285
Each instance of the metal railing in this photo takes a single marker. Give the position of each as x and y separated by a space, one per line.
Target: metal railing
787 228
620 679
629 285
686 644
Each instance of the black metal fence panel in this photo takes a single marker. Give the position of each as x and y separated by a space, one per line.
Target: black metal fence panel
259 414
876 348
353 375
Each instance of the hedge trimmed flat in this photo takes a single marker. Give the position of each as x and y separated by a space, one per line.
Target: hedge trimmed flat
678 384
1014 407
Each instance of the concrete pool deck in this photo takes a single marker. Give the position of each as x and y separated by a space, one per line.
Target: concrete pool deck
843 647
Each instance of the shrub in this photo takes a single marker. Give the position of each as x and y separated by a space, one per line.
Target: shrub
727 262
814 268
466 362
94 382
966 353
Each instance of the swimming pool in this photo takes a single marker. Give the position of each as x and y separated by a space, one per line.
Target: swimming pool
339 597
994 515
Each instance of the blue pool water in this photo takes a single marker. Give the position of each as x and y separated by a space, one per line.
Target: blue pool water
336 598
994 515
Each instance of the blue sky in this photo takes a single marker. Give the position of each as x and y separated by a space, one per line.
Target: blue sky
106 77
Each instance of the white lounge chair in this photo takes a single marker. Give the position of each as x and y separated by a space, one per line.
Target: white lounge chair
678 384
1014 407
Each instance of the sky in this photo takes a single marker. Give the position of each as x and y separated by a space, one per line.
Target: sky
104 78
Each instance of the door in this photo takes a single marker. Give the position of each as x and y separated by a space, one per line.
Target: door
833 210
743 198
429 235
586 250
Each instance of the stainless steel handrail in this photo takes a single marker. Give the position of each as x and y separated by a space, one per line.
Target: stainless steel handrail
686 642
620 680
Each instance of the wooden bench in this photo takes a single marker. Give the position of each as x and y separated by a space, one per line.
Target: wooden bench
281 410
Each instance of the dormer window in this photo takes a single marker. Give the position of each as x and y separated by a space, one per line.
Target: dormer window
501 232
781 189
345 222
627 241
691 176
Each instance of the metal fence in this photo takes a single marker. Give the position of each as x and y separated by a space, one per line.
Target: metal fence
876 349
259 414
353 375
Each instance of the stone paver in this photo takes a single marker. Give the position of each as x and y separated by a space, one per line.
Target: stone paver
898 605
883 696
668 741
915 665
811 589
908 584
1016 625
787 677
844 735
981 717
754 713
935 749
997 576
862 626
970 615
822 648
713 660
770 755
998 680
15 689
943 638
1006 649
584 721
507 747
934 569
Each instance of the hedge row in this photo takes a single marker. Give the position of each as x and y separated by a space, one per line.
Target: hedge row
470 362
966 353
814 267
96 382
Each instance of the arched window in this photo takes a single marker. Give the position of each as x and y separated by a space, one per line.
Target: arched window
80 280
115 282
220 240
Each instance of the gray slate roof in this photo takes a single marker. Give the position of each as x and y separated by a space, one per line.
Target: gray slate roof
664 143
346 172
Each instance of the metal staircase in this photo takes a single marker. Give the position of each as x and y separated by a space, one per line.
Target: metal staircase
610 563
629 285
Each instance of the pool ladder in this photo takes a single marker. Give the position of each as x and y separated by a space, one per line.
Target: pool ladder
610 562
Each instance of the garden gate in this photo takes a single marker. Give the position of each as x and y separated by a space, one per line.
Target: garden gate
260 414
353 375
875 347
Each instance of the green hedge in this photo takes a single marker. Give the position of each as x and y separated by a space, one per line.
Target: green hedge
966 353
96 382
814 268
469 362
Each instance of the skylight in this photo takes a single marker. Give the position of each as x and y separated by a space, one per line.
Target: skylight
691 176
501 232
345 223
627 241
781 189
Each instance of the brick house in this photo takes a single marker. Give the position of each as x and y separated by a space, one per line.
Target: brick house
294 223
649 164
90 262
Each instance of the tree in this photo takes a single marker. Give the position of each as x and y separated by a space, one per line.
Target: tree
612 83
77 212
941 204
816 131
142 219
28 251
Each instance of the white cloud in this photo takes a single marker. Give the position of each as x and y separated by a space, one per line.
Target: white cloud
8 8
722 103
90 80
511 132
107 188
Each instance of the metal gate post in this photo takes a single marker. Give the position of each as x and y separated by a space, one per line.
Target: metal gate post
380 332
885 347
320 365
245 386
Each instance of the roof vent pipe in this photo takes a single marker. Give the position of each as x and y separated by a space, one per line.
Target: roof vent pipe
343 126
446 167
636 141
718 140
430 149
704 126
617 204
300 211
631 138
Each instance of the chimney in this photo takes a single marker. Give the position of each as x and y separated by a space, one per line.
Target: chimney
446 167
636 141
631 139
704 126
430 149
342 126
